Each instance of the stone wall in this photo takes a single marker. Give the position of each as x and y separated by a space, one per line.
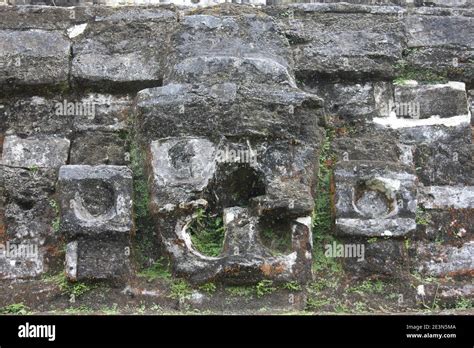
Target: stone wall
90 93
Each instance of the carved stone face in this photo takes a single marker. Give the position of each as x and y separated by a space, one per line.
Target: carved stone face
231 136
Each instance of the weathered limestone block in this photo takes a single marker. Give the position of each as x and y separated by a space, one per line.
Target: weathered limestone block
126 49
244 49
448 225
34 115
33 57
374 199
36 151
434 29
94 148
384 258
434 124
96 218
441 41
26 221
63 114
425 101
441 260
355 102
228 110
346 41
109 113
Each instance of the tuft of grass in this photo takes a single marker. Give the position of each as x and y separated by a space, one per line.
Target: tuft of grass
180 290
159 270
407 72
210 288
207 233
422 217
15 308
368 287
73 290
79 310
292 286
316 303
264 287
464 303
240 291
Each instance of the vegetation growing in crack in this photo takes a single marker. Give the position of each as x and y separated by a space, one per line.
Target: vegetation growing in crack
73 290
180 290
56 224
406 72
145 239
158 270
422 217
207 233
322 215
15 308
264 287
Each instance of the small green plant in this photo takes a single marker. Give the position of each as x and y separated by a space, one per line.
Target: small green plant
159 270
57 220
110 310
422 217
360 306
15 308
33 169
180 290
292 286
240 291
264 287
79 310
407 72
368 287
74 290
464 303
322 215
207 233
210 288
314 303
372 240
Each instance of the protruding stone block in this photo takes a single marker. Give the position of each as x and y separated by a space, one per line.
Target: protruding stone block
37 151
104 54
33 57
96 218
425 101
374 199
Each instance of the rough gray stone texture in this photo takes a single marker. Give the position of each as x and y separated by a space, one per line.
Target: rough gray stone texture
36 151
127 49
343 40
95 148
424 101
33 57
96 218
445 260
26 220
95 200
385 258
374 199
357 101
227 109
97 259
247 48
34 115
442 155
440 41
